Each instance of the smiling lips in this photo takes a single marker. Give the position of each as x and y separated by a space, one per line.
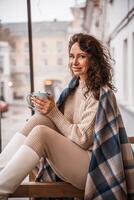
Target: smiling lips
76 68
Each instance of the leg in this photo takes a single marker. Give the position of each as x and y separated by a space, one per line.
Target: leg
19 138
24 160
11 148
68 160
37 119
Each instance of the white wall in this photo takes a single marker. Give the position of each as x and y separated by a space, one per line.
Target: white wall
124 57
106 22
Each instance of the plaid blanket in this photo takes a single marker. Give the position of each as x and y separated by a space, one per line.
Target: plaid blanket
111 169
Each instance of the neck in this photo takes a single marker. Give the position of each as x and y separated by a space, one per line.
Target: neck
83 78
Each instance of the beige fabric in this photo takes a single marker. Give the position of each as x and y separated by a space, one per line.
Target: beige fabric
65 144
68 160
37 119
77 119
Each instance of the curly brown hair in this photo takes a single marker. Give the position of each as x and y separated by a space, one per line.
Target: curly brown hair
100 70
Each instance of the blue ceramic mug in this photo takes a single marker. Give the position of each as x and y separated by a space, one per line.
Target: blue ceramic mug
42 95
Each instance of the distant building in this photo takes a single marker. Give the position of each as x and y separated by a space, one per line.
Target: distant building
76 26
4 69
50 54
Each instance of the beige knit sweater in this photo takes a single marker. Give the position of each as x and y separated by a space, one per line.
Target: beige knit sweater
77 118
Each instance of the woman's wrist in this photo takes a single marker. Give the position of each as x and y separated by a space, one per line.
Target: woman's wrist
52 112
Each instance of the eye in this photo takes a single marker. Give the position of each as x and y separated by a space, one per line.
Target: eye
82 56
71 56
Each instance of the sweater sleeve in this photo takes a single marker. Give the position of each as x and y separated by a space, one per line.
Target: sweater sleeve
80 133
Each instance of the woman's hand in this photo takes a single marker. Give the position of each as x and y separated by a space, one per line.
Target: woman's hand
43 106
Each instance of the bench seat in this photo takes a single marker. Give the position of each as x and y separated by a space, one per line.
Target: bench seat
49 189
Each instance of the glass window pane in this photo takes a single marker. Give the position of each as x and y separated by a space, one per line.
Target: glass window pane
50 50
14 67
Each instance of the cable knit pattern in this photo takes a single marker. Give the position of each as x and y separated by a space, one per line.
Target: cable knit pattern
77 119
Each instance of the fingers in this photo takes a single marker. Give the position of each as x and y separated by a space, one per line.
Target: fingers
43 105
37 102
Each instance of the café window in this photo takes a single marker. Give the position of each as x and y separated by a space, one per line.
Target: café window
13 62
13 47
59 61
1 64
1 69
45 62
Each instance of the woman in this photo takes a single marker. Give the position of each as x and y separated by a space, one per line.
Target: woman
62 132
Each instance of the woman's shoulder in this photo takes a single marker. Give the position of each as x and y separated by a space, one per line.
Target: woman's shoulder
107 93
106 89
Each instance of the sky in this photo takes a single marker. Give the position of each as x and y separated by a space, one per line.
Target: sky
42 10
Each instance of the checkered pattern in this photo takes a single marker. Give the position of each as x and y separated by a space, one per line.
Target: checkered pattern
43 172
111 169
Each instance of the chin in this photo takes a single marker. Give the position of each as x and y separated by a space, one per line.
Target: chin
76 73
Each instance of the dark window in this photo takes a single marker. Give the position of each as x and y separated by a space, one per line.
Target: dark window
59 46
1 64
60 61
44 47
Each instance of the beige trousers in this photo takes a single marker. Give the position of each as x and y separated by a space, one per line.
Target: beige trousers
67 159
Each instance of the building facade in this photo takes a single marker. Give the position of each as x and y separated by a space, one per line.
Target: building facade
112 21
50 58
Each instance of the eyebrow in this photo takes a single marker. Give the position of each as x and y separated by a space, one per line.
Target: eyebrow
82 53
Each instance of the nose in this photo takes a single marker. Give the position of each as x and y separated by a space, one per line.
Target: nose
75 61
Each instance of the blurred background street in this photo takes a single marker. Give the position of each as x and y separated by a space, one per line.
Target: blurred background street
36 59
13 120
45 68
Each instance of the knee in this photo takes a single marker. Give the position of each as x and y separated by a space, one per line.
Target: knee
36 139
40 131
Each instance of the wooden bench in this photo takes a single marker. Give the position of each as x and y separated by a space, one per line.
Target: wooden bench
50 189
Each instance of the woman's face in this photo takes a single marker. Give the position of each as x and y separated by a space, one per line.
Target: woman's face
78 61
